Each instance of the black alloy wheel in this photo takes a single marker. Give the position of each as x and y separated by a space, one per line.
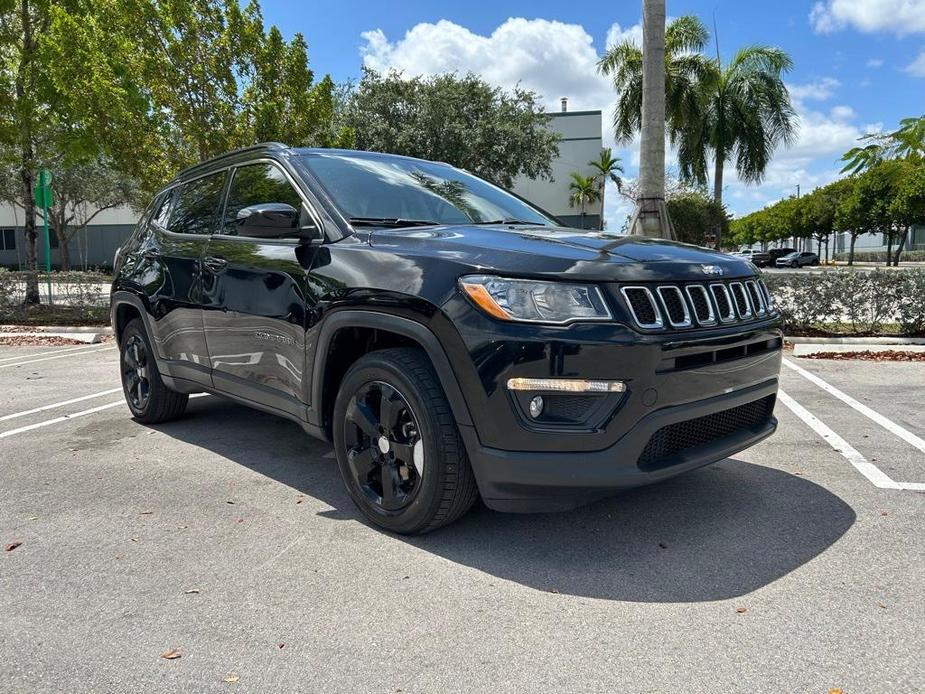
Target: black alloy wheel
385 449
135 371
149 399
397 444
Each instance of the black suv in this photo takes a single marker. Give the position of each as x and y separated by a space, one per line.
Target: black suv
449 338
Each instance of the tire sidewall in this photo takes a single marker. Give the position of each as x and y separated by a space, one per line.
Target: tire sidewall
417 514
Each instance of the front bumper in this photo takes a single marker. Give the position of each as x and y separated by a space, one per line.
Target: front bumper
517 481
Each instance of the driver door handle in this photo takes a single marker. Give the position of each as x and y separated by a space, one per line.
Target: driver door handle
214 264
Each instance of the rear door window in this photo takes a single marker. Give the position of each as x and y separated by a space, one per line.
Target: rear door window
196 208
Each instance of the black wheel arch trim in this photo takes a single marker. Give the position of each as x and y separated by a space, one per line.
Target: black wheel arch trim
420 333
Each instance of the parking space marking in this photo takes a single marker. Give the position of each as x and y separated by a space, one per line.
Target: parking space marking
82 413
59 404
874 475
887 424
59 356
58 420
45 354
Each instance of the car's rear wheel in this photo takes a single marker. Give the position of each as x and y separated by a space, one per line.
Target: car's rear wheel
397 445
148 398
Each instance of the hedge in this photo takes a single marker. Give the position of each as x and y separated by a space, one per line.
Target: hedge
851 302
880 256
81 298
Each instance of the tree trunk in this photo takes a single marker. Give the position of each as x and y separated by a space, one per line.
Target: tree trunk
899 248
650 218
28 183
64 253
854 237
27 155
889 247
718 166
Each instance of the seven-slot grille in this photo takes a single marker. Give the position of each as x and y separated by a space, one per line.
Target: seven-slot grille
688 305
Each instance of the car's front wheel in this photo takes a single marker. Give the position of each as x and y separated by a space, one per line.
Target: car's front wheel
148 398
397 445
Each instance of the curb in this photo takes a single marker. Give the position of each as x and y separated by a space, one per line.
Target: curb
855 341
803 350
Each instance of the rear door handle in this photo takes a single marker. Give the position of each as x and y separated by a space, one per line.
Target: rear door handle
150 254
215 264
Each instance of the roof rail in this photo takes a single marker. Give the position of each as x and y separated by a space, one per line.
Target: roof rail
260 146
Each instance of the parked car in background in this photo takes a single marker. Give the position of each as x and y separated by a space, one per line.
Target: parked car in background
759 258
776 253
797 259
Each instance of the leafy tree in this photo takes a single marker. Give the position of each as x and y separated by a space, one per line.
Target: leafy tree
583 191
694 214
907 142
40 109
460 120
81 192
867 206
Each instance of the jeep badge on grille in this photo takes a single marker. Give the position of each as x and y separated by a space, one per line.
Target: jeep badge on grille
711 269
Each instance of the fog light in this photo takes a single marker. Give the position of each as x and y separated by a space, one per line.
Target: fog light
536 406
566 385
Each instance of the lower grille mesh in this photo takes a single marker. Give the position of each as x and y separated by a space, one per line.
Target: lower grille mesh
676 438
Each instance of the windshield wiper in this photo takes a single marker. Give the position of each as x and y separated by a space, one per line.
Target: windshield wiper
395 222
508 220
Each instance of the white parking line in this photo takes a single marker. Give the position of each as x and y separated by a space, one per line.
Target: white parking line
57 420
59 404
82 413
874 474
45 354
887 424
60 356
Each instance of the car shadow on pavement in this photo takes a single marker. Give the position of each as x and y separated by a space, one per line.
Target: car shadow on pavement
711 534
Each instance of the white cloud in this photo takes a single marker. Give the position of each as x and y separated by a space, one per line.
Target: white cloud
616 34
551 58
842 113
820 90
875 62
895 16
917 66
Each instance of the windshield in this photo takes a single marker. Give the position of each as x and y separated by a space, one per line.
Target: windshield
368 188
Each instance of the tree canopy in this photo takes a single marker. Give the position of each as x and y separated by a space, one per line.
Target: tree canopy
461 120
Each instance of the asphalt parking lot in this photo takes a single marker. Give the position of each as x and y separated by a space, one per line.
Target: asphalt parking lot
228 537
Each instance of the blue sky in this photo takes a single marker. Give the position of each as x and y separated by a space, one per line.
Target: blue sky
859 64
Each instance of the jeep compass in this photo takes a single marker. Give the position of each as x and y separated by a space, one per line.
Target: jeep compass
448 338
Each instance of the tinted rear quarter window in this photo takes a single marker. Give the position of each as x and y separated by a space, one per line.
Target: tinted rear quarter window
197 205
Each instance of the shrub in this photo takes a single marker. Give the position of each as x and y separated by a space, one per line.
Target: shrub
880 256
850 301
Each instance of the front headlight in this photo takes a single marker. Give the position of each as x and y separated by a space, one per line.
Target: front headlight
532 301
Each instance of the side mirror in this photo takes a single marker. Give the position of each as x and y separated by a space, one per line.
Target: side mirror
275 220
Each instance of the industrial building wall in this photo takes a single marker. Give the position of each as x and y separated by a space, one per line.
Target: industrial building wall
581 142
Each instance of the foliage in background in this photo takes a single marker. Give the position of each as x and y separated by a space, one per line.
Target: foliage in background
463 121
694 214
849 301
583 191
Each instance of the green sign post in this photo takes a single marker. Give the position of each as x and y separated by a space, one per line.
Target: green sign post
44 198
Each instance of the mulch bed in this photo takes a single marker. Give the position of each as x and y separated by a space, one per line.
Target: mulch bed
867 355
47 341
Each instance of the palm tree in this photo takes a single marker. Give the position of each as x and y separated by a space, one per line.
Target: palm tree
686 68
584 191
748 113
607 166
739 112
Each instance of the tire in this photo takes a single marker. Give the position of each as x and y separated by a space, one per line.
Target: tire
149 400
795 265
391 407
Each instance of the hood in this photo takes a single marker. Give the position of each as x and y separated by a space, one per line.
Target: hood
544 251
